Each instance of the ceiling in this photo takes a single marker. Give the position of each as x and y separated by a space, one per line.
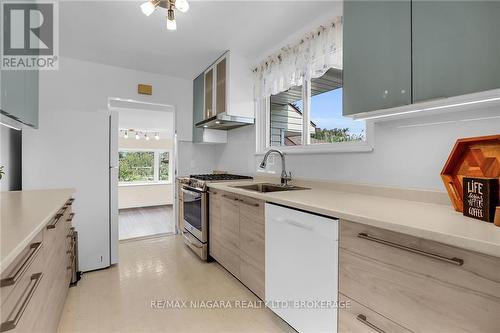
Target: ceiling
117 33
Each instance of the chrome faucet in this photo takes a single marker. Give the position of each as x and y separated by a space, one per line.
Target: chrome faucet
285 177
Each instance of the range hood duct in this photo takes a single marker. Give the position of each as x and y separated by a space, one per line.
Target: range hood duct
223 121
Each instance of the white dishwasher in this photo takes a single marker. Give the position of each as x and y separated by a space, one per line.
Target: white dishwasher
302 268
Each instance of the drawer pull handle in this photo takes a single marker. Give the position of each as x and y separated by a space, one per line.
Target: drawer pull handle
30 290
362 318
454 261
248 203
229 197
70 218
30 256
56 220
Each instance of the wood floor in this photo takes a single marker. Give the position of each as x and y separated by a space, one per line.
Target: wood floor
119 299
145 221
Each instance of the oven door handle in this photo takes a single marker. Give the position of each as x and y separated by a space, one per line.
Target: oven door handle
184 234
191 196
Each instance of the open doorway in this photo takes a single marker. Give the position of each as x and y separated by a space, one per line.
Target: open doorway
145 145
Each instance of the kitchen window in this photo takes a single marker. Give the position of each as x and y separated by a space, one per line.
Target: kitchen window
308 119
298 94
144 167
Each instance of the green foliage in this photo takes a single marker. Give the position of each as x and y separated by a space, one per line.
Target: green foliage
136 166
1 171
164 166
336 135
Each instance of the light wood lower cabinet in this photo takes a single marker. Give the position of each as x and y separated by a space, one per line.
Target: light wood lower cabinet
418 284
34 287
236 233
356 318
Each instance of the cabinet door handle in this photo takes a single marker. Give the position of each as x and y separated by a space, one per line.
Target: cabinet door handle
454 261
248 203
12 279
70 202
362 318
30 290
70 218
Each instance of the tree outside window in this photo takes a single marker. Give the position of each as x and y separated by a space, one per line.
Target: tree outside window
143 166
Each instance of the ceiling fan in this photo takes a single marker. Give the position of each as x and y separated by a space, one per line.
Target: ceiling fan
150 6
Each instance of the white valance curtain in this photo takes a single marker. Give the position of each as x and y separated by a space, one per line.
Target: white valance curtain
309 58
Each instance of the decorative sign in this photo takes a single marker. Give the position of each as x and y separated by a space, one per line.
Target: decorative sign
480 198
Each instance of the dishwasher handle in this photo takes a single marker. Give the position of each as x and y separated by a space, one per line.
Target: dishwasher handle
295 223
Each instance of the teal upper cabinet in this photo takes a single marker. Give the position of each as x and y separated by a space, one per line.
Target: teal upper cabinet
456 48
377 55
198 106
19 96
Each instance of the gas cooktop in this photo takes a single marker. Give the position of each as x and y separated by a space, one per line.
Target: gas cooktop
218 177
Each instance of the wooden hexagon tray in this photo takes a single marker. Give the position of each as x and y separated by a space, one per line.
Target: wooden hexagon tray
470 157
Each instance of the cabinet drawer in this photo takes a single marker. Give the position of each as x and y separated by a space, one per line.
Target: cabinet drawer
356 318
20 309
32 255
416 301
470 270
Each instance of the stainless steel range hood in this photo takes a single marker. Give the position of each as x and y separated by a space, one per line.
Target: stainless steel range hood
223 121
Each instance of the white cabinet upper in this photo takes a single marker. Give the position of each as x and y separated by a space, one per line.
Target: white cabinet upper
19 96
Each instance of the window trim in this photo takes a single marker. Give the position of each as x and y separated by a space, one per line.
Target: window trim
156 167
263 122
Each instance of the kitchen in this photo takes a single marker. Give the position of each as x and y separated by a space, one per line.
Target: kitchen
321 160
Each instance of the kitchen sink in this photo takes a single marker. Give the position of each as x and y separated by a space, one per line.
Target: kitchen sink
265 188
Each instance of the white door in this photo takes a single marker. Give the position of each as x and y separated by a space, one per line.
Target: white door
302 268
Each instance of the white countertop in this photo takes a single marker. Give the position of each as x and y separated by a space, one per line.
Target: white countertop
436 222
22 215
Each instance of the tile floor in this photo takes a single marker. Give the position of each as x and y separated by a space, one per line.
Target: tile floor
145 221
118 299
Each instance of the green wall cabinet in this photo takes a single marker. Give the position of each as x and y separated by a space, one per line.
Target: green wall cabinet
456 48
402 52
377 55
19 96
198 106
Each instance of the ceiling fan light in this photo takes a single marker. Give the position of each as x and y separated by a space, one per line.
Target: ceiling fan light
148 7
171 24
182 5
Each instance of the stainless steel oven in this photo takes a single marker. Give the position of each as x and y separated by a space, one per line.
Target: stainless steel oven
195 211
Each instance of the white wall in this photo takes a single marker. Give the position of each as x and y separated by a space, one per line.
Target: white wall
403 156
133 196
70 147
